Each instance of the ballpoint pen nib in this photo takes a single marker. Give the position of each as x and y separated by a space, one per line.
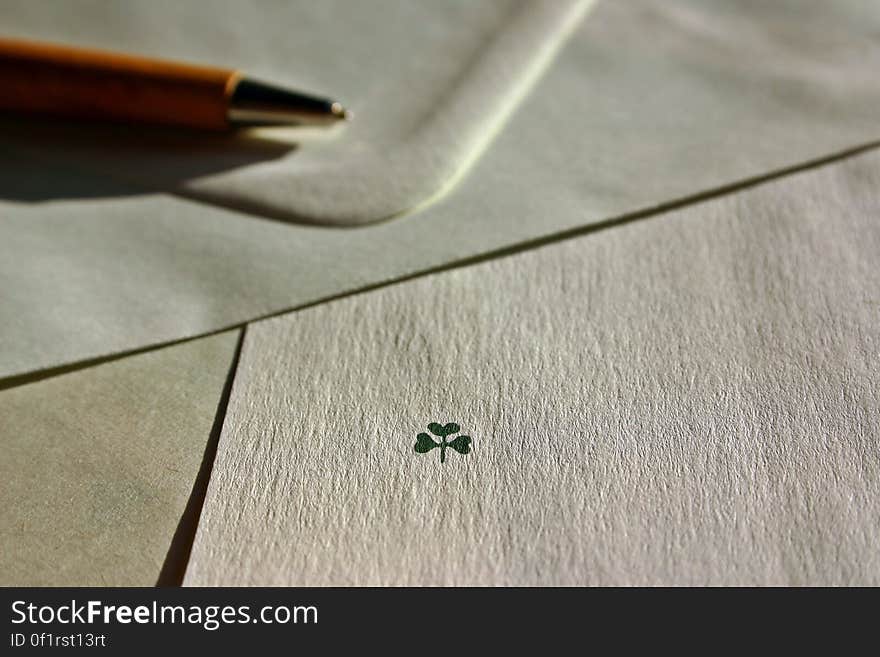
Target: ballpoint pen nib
255 103
338 110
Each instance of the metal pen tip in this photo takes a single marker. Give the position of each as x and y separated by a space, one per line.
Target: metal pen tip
257 103
339 111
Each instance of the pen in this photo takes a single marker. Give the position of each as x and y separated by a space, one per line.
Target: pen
63 81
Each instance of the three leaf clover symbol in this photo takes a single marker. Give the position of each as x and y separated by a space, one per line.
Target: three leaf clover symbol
424 442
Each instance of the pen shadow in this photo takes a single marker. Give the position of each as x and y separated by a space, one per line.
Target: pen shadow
47 160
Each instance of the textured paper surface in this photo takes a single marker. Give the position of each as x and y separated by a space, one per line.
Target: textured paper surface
649 102
431 83
687 399
98 465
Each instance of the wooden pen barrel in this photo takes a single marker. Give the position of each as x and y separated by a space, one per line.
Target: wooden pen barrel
91 84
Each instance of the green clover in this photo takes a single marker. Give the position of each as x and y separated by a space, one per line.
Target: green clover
424 442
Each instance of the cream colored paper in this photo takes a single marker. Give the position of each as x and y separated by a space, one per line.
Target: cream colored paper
648 103
98 465
687 399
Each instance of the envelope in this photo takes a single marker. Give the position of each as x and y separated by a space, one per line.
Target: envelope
432 87
481 130
648 104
